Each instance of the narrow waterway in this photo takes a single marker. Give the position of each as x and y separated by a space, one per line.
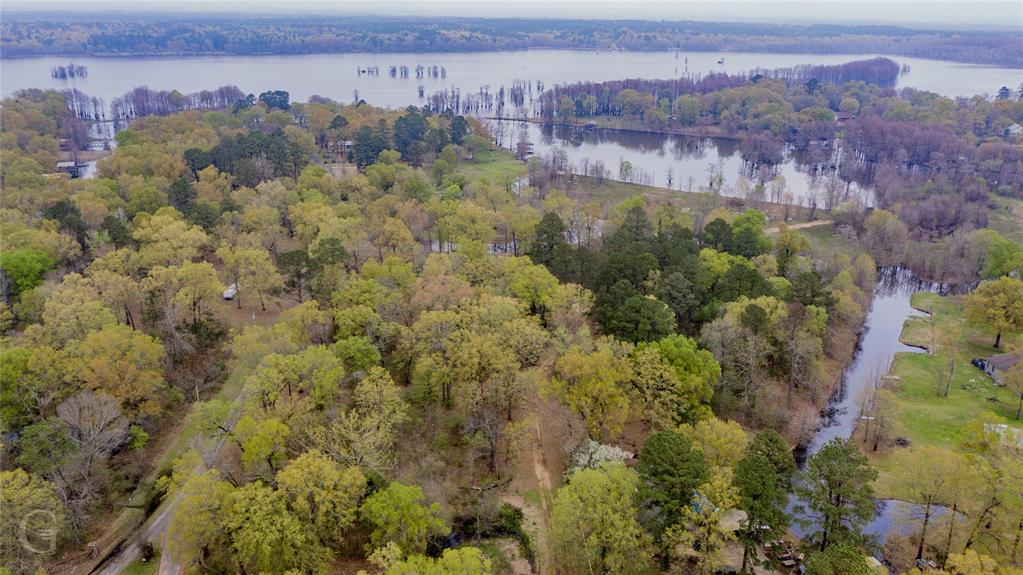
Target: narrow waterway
877 346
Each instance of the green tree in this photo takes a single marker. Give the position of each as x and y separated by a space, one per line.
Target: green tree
836 493
763 499
322 494
718 235
997 304
1003 257
369 142
44 447
933 481
772 446
592 385
809 288
701 529
748 239
696 375
276 100
182 194
549 238
671 469
125 364
594 526
24 268
723 442
399 514
461 561
29 508
196 535
408 135
839 559
459 129
364 436
680 294
297 268
642 319
265 536
790 243
885 237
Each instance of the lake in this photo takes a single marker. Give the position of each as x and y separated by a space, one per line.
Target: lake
668 161
338 76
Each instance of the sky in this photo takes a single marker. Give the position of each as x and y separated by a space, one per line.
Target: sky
962 14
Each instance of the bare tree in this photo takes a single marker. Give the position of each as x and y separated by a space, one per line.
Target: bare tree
96 428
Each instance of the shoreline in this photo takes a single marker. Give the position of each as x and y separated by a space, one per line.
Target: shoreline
412 51
700 132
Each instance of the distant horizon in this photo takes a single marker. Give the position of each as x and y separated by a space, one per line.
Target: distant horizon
981 15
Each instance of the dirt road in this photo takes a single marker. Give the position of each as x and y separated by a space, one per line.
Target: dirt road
802 226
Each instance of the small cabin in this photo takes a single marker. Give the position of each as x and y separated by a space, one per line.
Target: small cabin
842 117
1014 131
231 291
523 149
996 365
72 169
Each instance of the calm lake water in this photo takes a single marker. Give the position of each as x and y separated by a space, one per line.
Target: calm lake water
336 75
687 161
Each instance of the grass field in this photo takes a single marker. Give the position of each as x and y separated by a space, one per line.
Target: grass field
926 417
140 567
499 167
1006 218
605 191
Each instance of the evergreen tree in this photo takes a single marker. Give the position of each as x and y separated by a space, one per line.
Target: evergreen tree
836 494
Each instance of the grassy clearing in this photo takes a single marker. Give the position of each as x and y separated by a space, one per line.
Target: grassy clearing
499 167
611 192
926 417
1007 217
827 239
498 561
140 567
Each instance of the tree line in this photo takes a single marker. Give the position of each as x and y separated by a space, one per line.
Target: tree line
32 34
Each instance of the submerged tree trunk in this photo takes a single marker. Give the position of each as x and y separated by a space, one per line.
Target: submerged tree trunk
981 519
951 528
1019 538
923 530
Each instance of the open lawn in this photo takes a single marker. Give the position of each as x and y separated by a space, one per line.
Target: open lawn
924 415
827 239
148 567
611 192
1007 217
499 167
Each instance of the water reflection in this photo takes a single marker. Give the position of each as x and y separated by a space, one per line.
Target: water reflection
877 344
685 163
